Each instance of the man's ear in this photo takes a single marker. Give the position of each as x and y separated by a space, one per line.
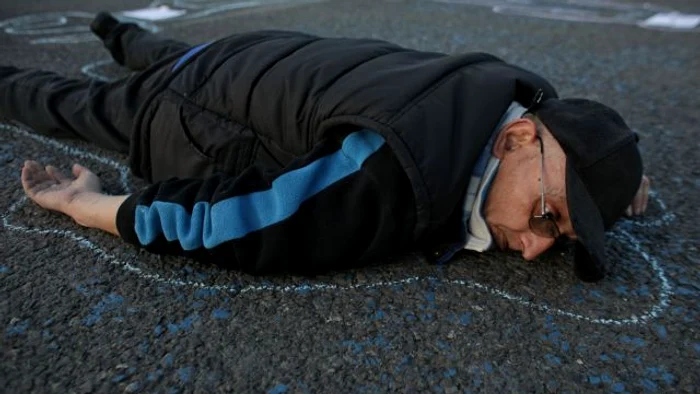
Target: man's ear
516 134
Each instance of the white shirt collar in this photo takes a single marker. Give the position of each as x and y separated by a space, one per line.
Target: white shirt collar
478 236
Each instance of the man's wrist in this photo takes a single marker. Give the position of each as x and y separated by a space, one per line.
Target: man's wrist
95 210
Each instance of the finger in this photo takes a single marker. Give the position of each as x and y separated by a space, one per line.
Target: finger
79 170
638 201
26 178
628 211
56 174
641 196
34 179
33 173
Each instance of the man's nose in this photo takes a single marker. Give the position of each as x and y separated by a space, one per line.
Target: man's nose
534 246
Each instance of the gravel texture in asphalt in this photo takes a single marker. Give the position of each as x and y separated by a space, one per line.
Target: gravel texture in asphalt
82 312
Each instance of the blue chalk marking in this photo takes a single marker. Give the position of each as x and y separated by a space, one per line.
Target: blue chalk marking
185 374
488 367
378 315
594 379
606 378
685 291
168 360
621 290
220 313
205 293
643 291
649 384
198 305
279 389
565 346
145 346
405 362
356 347
668 378
618 388
450 373
159 330
697 347
108 303
3 269
119 378
552 359
604 357
661 331
465 319
17 329
154 376
430 296
185 325
634 341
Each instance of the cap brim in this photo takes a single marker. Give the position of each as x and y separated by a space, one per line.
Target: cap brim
589 257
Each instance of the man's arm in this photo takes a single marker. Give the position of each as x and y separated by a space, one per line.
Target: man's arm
340 204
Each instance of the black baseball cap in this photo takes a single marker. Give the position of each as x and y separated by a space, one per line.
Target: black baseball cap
603 172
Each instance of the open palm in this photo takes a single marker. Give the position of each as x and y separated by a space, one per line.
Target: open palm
51 189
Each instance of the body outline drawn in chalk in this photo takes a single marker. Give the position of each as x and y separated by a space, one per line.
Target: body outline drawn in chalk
587 11
663 298
71 27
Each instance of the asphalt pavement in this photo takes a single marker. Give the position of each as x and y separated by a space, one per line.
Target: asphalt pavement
82 312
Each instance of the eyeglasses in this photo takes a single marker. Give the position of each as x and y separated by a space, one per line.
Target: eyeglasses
544 225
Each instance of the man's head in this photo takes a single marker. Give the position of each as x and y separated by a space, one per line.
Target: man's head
584 157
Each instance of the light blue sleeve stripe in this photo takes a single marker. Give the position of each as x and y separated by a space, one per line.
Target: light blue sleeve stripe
189 54
233 218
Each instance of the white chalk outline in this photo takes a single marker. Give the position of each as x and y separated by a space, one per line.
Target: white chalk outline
56 25
90 70
586 11
663 303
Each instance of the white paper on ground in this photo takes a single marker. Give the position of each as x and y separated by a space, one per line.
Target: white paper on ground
673 20
154 14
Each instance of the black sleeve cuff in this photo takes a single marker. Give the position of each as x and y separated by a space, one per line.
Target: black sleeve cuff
125 219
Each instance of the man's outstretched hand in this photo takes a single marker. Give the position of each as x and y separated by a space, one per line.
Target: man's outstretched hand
79 196
52 189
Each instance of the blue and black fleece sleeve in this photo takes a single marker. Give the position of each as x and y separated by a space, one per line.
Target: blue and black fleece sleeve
344 204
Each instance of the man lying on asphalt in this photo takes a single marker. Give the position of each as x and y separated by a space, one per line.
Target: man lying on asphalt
284 152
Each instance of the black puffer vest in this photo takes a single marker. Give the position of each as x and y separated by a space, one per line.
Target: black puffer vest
281 92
